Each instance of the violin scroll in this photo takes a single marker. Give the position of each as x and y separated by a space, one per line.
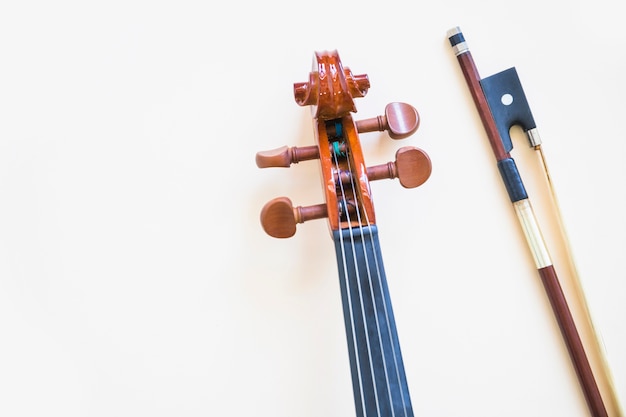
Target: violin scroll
345 177
331 87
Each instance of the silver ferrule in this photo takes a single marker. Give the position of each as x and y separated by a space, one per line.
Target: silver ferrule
460 47
533 137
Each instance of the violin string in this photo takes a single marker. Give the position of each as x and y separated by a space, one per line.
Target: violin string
380 283
395 354
343 202
358 272
388 319
361 294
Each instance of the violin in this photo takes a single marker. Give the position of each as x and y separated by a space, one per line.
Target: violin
378 375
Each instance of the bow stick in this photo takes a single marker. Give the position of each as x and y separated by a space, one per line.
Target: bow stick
502 104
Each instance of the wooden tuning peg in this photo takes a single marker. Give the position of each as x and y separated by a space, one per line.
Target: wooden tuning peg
412 167
400 120
284 156
279 218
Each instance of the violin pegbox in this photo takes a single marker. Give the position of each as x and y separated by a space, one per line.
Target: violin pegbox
330 91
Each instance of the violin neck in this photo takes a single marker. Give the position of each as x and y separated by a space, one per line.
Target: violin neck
378 376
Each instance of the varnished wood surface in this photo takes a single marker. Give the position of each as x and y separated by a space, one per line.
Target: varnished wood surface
572 340
577 352
136 279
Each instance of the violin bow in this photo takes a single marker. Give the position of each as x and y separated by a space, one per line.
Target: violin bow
502 104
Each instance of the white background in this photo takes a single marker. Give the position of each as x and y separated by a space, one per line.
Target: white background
135 279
